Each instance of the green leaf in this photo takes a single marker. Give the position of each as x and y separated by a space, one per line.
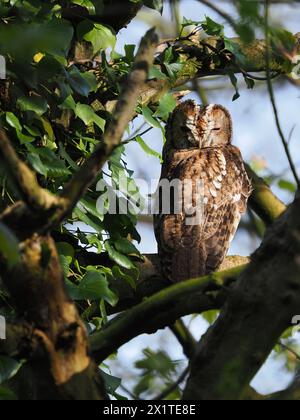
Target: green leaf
8 368
213 28
88 4
45 162
156 73
100 36
36 104
78 83
117 257
118 274
37 164
287 185
13 121
66 254
112 383
234 82
148 149
124 246
94 286
83 217
148 115
88 116
9 246
23 40
167 104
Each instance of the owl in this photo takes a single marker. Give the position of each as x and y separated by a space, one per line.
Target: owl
194 235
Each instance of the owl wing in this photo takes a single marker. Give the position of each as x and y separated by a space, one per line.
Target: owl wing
189 250
227 201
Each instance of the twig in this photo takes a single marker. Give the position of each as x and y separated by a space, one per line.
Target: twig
185 338
260 79
272 96
134 397
32 193
173 387
290 350
123 114
221 12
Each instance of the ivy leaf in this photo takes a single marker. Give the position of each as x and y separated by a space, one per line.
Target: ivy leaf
66 254
13 121
287 185
148 149
124 246
118 274
88 4
89 116
148 115
234 82
93 286
101 37
213 28
167 104
78 83
117 257
35 104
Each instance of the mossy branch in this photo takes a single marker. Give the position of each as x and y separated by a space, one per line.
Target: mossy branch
163 309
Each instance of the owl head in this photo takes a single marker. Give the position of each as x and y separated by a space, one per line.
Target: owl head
195 126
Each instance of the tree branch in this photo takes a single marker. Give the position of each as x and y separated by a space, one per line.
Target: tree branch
33 195
203 59
263 201
235 348
149 283
162 309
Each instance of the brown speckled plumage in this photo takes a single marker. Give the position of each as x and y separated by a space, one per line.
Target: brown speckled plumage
199 147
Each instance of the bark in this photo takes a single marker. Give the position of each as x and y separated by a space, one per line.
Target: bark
60 364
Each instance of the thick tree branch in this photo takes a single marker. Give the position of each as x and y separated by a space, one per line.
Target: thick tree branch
263 201
162 309
257 312
122 116
149 283
33 195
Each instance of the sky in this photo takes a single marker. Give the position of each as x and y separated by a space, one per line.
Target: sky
254 133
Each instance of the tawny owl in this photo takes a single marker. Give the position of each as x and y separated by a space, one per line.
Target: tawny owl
198 152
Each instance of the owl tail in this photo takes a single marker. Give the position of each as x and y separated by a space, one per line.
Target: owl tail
188 263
